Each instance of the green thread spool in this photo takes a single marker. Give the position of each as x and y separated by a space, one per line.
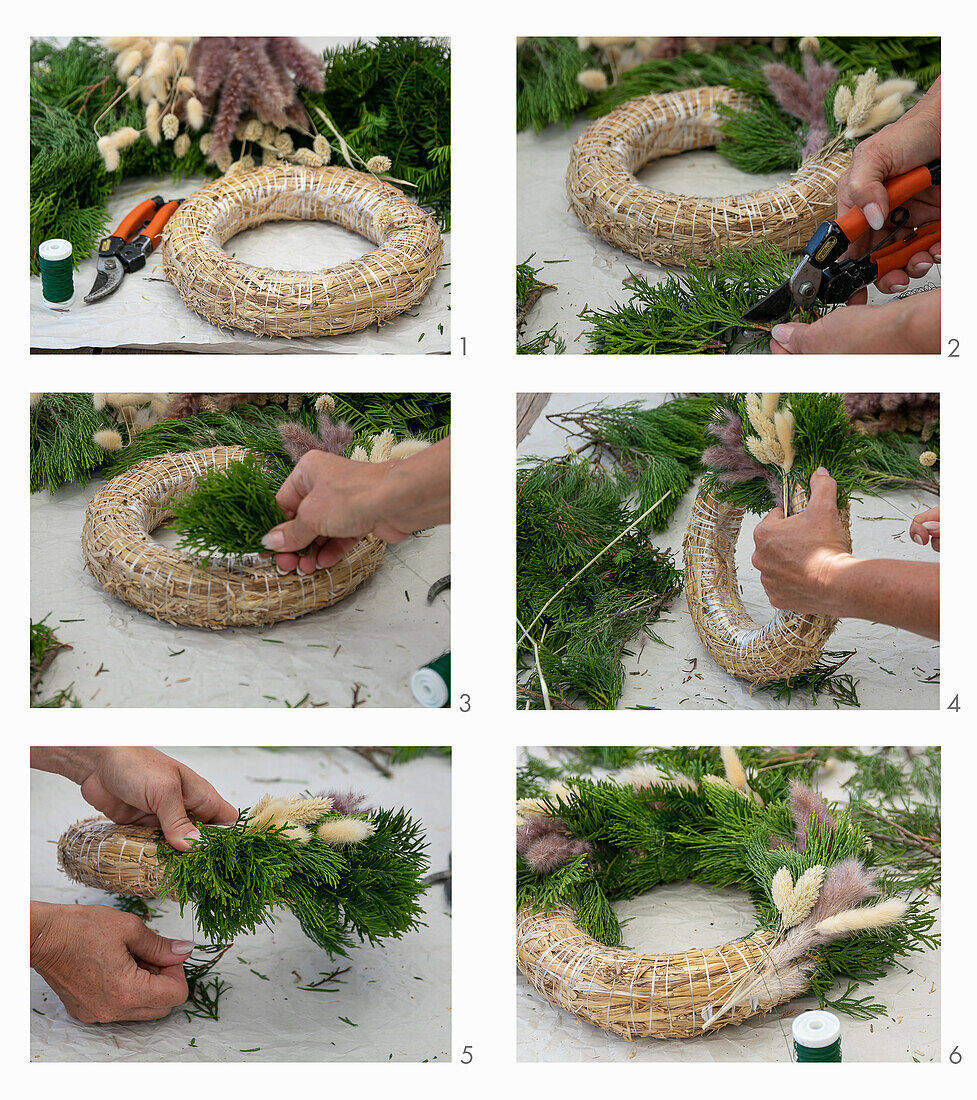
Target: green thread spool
57 278
431 684
817 1037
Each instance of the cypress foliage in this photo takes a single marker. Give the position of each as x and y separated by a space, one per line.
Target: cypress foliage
62 448
547 89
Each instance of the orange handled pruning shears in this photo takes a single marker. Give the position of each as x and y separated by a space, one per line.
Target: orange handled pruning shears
128 248
824 276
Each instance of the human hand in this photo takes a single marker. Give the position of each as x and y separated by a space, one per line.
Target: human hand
332 502
142 786
907 143
910 325
799 557
106 965
926 528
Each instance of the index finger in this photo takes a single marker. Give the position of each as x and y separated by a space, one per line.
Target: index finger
204 801
293 491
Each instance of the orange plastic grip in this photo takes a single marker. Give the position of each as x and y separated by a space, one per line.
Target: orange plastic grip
155 227
899 189
899 253
135 219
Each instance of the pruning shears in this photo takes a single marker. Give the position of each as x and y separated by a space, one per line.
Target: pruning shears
128 248
822 275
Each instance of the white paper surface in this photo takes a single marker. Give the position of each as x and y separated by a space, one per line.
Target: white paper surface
889 665
595 272
376 637
397 995
682 915
146 311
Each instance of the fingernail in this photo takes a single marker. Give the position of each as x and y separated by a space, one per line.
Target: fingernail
194 834
937 256
873 215
897 288
820 470
282 572
932 525
274 540
782 334
921 269
919 539
181 947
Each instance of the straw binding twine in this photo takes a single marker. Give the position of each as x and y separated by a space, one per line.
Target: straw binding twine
667 228
786 645
175 587
363 291
121 859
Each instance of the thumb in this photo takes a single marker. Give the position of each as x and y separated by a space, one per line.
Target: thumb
294 535
145 945
824 492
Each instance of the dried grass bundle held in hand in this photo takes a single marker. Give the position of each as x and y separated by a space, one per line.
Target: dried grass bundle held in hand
583 844
670 229
367 290
767 447
347 877
173 586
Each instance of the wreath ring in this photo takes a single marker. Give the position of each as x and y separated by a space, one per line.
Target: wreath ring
173 586
638 996
667 228
784 646
121 859
363 291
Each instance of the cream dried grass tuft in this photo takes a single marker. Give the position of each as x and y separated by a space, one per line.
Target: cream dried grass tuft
325 403
593 80
863 920
182 145
781 888
378 165
407 447
783 423
341 831
109 153
768 404
928 458
170 126
195 113
734 768
306 811
108 439
803 897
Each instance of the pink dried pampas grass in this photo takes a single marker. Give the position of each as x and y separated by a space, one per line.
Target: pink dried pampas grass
805 803
803 96
332 438
731 460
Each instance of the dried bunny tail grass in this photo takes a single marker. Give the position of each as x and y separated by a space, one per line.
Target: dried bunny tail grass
119 858
108 439
367 290
343 831
781 888
661 996
862 920
733 768
667 228
787 644
307 811
407 447
170 585
803 896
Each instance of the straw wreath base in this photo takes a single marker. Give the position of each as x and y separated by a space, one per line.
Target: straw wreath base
667 228
118 858
638 996
175 587
364 291
786 645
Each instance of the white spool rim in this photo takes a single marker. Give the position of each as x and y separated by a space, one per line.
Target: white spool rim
817 1028
428 688
54 249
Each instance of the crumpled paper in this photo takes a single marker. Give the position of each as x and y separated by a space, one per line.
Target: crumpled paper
890 665
681 915
146 311
397 996
596 270
368 644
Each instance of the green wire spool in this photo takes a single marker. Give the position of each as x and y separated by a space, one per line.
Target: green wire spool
431 684
57 279
817 1037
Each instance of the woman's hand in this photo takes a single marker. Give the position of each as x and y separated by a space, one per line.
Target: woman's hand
925 528
106 965
140 786
332 502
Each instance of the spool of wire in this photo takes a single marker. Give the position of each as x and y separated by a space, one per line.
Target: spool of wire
817 1037
431 684
57 280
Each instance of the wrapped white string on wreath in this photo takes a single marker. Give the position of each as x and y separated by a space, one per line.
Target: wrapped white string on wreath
585 843
667 228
